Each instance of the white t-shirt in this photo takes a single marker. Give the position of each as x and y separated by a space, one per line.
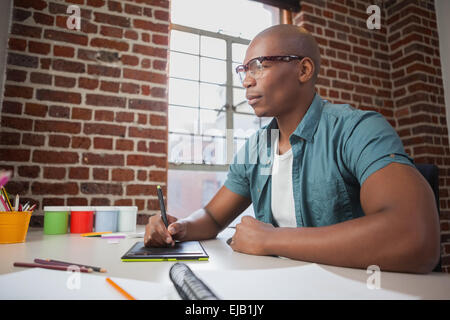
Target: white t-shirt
283 208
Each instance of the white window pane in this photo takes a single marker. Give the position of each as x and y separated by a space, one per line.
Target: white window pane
211 47
240 102
183 92
180 148
234 17
214 150
212 123
245 125
245 108
189 191
185 149
238 52
212 96
183 120
183 41
183 66
212 70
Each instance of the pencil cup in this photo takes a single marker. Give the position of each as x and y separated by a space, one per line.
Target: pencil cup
127 219
106 219
56 220
81 219
14 226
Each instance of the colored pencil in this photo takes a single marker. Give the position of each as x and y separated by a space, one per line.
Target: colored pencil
95 234
6 208
26 204
63 263
114 236
7 198
46 266
16 204
123 292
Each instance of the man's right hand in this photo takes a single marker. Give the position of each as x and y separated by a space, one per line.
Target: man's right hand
157 235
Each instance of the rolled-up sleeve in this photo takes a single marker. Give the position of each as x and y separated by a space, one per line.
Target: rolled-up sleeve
237 181
371 145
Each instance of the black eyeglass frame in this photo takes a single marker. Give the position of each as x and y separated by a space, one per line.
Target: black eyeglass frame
288 58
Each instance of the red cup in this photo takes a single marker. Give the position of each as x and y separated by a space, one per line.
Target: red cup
81 220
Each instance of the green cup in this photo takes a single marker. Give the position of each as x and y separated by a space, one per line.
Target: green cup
56 220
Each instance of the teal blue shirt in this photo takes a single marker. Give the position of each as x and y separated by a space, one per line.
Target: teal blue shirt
335 148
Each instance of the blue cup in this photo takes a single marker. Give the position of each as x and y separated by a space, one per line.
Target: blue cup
106 219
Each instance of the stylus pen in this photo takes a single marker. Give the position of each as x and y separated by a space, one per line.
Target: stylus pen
162 206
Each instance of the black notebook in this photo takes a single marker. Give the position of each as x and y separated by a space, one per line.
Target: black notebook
188 250
188 285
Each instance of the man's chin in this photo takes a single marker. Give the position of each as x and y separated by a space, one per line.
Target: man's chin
261 112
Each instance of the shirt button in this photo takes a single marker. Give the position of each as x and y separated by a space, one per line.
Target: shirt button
258 190
392 155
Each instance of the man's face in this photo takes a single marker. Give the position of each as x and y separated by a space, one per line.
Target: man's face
277 90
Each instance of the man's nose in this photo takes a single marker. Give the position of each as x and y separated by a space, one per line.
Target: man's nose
249 81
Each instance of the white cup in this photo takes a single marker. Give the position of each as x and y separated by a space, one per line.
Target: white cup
127 219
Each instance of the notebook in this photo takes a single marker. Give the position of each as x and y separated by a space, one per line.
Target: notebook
188 285
187 250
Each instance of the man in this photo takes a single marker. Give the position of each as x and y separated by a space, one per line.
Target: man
341 190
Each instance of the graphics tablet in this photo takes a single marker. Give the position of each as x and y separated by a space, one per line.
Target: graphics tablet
188 250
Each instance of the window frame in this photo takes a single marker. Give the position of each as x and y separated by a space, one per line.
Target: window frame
230 110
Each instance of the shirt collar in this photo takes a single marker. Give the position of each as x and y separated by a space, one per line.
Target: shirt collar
308 125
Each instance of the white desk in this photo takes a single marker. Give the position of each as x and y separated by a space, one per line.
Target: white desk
98 252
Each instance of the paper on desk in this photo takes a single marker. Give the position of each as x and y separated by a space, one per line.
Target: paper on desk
292 283
136 235
44 284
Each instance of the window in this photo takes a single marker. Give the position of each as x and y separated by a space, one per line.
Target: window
209 118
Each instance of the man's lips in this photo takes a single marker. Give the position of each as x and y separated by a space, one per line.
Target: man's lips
253 99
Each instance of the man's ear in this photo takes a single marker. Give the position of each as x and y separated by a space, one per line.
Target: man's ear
306 70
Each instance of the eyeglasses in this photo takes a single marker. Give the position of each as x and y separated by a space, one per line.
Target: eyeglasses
255 67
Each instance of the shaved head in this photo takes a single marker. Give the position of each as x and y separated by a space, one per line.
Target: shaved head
291 40
282 89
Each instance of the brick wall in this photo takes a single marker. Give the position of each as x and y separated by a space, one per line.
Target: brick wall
395 71
84 112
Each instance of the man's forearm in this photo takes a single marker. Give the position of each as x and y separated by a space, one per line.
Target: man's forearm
200 226
384 239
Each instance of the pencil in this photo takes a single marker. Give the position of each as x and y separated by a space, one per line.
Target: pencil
4 203
7 199
16 204
95 234
123 292
63 263
46 266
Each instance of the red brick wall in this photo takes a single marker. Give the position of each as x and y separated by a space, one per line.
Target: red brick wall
395 71
84 112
